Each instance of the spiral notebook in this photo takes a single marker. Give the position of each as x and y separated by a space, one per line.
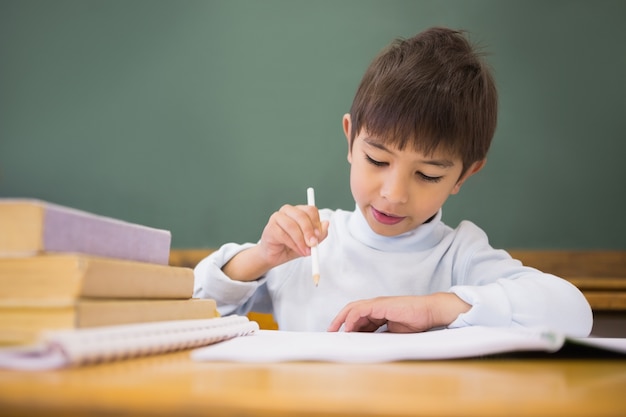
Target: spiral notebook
66 348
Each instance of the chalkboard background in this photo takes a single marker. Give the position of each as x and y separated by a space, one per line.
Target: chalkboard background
204 117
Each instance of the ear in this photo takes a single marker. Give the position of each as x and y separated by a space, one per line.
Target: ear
473 169
347 127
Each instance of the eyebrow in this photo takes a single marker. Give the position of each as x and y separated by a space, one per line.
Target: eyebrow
441 163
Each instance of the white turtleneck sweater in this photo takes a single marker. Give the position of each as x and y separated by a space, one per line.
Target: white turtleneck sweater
356 263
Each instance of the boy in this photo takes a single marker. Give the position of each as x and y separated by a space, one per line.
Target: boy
420 125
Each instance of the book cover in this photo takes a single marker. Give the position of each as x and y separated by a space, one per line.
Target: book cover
31 226
59 279
24 324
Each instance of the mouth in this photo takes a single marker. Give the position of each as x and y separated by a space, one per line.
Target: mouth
385 218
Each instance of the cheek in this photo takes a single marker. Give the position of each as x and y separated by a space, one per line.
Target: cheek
355 184
427 199
359 183
438 197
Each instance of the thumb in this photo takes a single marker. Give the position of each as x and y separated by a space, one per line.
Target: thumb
325 227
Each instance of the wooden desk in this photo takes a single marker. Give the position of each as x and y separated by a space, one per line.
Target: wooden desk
173 385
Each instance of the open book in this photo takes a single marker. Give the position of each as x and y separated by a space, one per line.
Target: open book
76 347
466 342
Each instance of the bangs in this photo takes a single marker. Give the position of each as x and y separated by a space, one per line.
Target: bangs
418 122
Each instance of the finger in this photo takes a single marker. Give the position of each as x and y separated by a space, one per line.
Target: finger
309 221
340 318
284 231
338 321
356 316
397 327
325 226
363 324
362 320
291 233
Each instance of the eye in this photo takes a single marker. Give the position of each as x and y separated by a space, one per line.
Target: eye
428 178
375 162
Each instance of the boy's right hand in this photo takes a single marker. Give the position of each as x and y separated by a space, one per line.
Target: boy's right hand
290 233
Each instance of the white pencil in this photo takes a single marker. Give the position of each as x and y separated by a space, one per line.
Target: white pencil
315 260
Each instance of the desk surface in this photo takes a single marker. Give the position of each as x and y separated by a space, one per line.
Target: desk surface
172 384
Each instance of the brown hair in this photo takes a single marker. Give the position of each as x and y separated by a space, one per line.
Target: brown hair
430 92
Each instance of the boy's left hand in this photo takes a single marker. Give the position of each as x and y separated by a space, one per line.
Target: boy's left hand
402 314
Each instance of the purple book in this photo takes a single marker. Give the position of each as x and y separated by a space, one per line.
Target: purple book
30 226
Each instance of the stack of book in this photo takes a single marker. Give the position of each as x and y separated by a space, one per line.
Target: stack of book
62 268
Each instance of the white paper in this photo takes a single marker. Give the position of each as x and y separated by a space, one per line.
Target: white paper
606 343
280 346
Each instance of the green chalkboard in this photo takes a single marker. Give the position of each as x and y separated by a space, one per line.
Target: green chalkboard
203 117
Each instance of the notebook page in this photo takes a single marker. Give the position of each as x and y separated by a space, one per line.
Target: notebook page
607 343
280 346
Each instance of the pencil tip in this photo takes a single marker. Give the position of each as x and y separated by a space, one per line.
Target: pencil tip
316 279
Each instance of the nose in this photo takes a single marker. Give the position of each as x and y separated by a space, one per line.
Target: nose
395 188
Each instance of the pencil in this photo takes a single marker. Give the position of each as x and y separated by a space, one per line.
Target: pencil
315 260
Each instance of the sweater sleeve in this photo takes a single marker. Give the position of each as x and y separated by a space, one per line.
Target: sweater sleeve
232 297
503 292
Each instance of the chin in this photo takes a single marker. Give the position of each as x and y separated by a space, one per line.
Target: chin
383 230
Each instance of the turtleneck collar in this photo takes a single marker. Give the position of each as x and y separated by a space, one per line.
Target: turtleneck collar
423 237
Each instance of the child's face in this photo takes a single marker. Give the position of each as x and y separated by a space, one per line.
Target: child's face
398 190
